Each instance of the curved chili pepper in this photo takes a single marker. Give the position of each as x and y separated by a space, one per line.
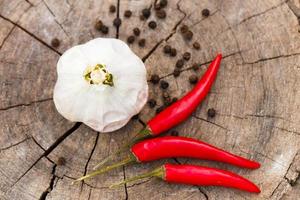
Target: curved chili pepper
170 147
178 111
197 175
183 108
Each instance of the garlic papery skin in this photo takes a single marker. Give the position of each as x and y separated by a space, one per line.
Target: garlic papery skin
101 83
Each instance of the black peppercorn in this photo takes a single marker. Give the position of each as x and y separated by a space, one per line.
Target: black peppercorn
188 35
112 8
174 99
184 28
130 39
127 13
180 63
195 66
196 45
164 84
55 42
98 25
163 3
211 113
161 14
154 79
167 49
176 72
117 22
142 42
186 56
167 101
159 109
152 24
136 31
205 12
104 29
193 79
174 133
152 103
173 52
61 161
146 13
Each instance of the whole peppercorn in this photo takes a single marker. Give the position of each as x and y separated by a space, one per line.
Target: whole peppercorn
152 103
173 52
196 45
112 8
142 42
167 49
159 109
146 13
55 42
152 24
176 72
161 14
117 22
186 56
195 66
188 35
154 78
174 133
130 39
163 3
164 84
61 161
167 101
179 63
104 29
184 28
205 12
136 31
127 13
193 79
98 25
174 99
211 113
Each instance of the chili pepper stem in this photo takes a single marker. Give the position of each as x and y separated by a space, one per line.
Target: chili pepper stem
128 160
158 172
144 133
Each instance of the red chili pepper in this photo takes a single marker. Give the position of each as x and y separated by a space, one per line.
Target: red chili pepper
198 175
170 147
177 112
183 108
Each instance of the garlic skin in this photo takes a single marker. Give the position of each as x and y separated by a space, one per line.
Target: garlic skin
101 83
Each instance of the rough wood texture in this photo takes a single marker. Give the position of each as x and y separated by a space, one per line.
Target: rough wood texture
256 95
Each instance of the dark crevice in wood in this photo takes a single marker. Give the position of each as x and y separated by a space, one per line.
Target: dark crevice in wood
15 144
51 184
202 192
205 120
140 183
125 185
259 14
90 192
295 10
51 148
32 35
90 156
272 58
26 104
286 130
35 141
177 161
29 2
292 182
118 16
169 36
11 30
272 194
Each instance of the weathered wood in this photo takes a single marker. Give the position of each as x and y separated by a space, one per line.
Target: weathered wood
256 95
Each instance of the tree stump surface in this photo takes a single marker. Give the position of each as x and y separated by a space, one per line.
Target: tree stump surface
256 96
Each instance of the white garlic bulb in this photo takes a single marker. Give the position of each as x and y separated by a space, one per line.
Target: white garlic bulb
101 83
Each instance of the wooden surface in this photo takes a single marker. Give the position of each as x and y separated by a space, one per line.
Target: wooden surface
256 96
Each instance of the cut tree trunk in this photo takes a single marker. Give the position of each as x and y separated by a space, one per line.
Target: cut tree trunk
256 95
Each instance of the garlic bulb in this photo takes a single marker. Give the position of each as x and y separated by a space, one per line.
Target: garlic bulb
101 83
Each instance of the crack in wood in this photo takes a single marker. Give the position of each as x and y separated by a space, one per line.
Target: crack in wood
51 185
295 10
6 37
31 34
118 16
50 149
286 130
202 192
272 58
15 144
29 2
125 185
26 104
205 120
